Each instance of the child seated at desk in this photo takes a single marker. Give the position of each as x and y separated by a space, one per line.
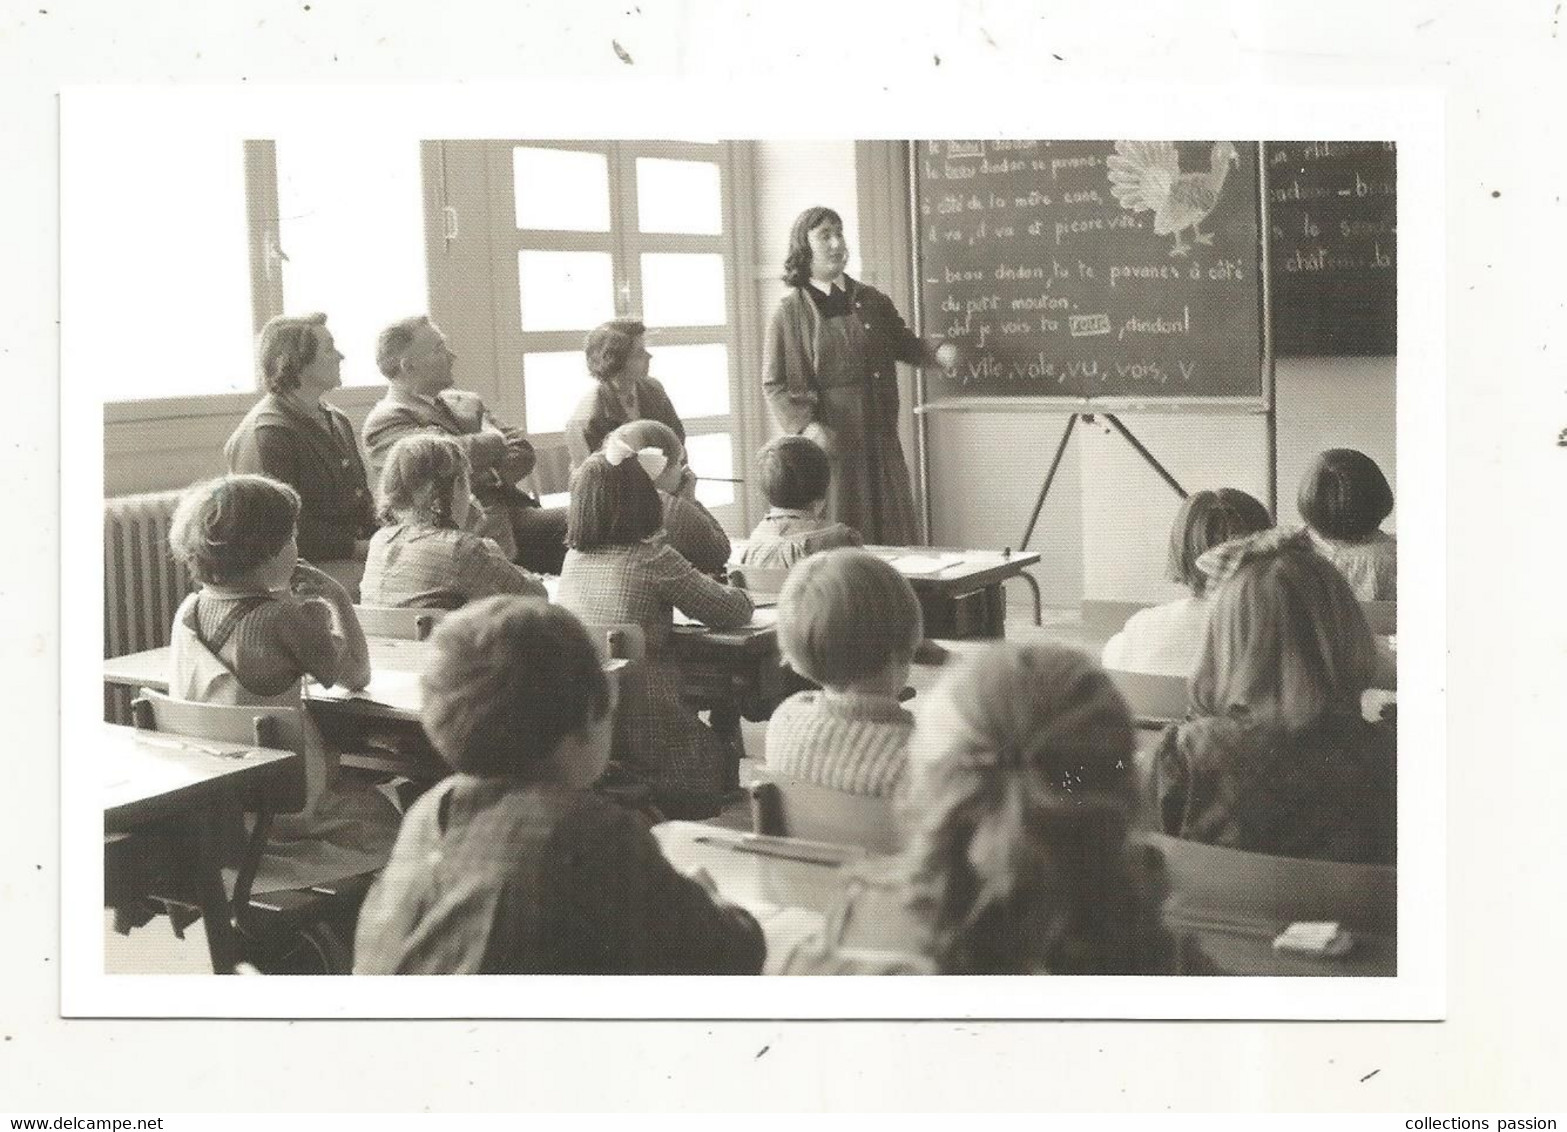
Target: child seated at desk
1276 757
850 622
689 527
511 865
1344 498
422 557
1017 864
262 621
794 474
616 574
1164 640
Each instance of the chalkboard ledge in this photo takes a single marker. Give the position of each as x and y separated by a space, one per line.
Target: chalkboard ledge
1056 406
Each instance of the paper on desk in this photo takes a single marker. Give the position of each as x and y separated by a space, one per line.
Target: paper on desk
760 618
392 688
924 563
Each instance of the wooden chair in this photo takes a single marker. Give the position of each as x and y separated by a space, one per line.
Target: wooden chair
787 807
1382 616
287 932
1226 906
398 624
1154 700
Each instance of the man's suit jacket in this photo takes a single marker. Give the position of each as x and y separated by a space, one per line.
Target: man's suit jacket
462 416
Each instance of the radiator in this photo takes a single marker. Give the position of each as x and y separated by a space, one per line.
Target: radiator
142 584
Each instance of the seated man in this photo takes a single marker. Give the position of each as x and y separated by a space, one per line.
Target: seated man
413 355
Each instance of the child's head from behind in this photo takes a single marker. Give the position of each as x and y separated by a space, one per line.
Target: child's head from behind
1020 770
1287 642
237 529
1206 519
794 472
1344 495
845 617
516 689
611 504
425 482
641 434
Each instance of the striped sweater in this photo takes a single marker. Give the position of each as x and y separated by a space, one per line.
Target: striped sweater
849 741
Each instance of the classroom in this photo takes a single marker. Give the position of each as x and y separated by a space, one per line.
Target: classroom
775 557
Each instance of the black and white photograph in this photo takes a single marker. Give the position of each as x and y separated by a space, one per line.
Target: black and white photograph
755 557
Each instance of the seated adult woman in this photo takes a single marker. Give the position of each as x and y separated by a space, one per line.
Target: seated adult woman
293 435
423 558
1164 639
618 359
1276 757
1020 790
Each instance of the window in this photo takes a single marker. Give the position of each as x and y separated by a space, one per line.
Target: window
600 230
172 264
218 239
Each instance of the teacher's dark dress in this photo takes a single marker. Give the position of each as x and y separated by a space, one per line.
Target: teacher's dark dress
317 454
833 360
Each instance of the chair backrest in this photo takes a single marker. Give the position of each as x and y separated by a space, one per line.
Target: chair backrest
623 640
1154 700
1383 617
280 728
1214 884
398 624
786 807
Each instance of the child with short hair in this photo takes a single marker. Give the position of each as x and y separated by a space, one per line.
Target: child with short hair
689 527
794 473
423 558
616 573
511 865
851 623
1017 862
1164 639
1344 498
1276 757
262 621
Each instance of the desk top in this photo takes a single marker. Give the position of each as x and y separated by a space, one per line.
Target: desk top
942 569
147 775
789 898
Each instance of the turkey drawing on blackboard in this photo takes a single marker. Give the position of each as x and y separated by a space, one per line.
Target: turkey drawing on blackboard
1145 176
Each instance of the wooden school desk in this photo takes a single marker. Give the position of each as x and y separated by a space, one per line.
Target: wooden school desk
790 888
179 784
736 672
961 594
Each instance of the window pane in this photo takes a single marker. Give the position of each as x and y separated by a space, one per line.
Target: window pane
561 189
683 289
169 240
552 384
712 455
565 290
695 377
351 221
678 196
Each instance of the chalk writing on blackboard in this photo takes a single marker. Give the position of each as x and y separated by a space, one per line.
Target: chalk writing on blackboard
1092 269
1333 225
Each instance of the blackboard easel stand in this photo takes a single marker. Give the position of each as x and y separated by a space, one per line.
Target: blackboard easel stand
1055 465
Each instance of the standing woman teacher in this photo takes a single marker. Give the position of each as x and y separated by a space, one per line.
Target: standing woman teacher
831 374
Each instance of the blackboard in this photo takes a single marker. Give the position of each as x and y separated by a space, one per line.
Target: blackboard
1054 288
1333 222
